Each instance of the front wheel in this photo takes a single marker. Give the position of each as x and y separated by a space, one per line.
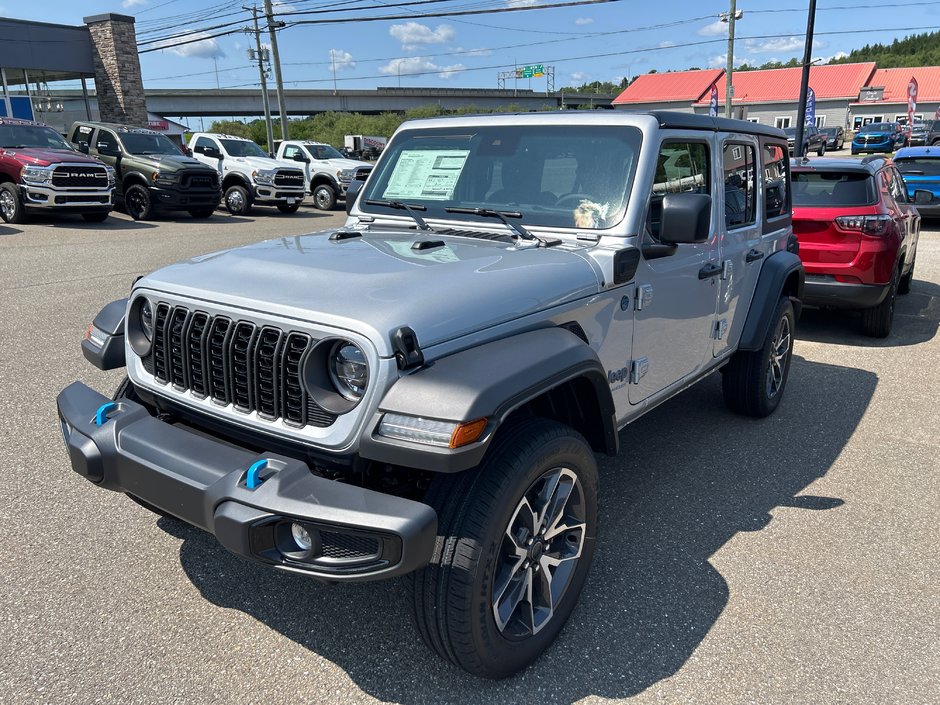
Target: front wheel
237 200
822 150
324 197
137 202
285 208
515 542
12 209
754 380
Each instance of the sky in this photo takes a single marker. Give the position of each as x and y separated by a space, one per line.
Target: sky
584 43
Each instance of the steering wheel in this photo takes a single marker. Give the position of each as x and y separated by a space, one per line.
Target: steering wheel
572 200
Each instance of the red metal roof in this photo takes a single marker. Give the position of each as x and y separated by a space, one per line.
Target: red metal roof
686 86
895 83
783 85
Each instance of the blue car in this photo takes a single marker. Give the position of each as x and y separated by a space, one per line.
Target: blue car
878 137
920 169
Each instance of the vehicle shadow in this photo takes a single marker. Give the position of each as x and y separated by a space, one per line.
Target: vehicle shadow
115 221
7 230
916 319
689 477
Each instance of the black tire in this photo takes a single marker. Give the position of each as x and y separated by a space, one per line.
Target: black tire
822 150
324 197
238 200
454 598
877 321
99 217
754 381
12 209
904 285
285 208
201 213
137 202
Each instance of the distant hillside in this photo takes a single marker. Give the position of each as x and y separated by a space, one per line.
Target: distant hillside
916 50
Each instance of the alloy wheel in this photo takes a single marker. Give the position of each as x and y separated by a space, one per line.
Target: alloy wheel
779 350
7 205
234 200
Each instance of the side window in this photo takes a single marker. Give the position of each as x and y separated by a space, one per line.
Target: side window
777 194
899 187
740 185
106 141
204 142
890 186
291 151
681 167
81 133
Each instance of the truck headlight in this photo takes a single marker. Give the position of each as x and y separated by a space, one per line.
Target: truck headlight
140 326
111 174
349 371
163 179
345 175
263 176
37 174
336 375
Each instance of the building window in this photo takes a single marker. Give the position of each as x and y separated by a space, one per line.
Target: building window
782 122
757 120
820 121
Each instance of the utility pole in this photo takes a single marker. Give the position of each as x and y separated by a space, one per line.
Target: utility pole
264 82
804 81
278 82
730 17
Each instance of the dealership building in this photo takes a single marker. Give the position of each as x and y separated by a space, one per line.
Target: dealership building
847 95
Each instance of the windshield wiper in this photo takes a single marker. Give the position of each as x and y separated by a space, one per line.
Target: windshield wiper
501 215
411 208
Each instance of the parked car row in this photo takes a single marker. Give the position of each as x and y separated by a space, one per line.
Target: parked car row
104 165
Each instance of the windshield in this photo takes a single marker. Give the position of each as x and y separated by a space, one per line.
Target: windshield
323 151
920 167
789 131
145 143
36 136
879 127
833 188
829 131
242 148
557 176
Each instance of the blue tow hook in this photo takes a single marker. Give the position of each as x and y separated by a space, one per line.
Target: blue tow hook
252 479
101 416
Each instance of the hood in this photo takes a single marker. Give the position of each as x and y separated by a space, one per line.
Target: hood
348 164
29 156
171 162
376 284
263 163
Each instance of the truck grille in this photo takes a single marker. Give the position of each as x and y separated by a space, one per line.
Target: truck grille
289 177
80 177
200 180
253 368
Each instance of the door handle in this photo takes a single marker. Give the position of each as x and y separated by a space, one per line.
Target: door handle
709 270
753 256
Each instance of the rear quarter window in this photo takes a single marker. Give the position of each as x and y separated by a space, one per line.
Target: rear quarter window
833 188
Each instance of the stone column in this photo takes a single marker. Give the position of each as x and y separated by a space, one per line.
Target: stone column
118 82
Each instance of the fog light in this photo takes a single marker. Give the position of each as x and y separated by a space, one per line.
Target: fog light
301 537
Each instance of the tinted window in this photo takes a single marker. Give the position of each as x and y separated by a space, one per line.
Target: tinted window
106 141
205 142
22 136
833 188
919 167
879 127
775 158
323 151
146 143
682 167
243 148
740 185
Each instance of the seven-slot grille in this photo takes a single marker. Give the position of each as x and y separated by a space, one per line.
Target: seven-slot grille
253 368
80 177
289 177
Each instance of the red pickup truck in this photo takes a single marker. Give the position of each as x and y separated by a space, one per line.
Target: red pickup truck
39 171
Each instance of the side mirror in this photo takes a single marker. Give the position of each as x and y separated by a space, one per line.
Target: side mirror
686 218
187 151
300 157
83 147
198 149
107 149
212 152
351 193
922 197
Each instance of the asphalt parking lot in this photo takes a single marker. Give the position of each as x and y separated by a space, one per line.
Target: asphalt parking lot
788 560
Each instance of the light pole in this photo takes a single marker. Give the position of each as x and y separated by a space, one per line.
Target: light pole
276 58
730 17
804 81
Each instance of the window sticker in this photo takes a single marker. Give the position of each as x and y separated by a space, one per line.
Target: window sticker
428 175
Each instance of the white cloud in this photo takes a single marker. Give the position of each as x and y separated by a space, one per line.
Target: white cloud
780 44
721 61
521 3
827 59
580 76
473 52
128 4
414 34
584 20
340 60
666 44
715 29
207 48
418 66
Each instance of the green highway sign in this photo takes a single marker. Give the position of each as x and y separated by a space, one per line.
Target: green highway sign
532 71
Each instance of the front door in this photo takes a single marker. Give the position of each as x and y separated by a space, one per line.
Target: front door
676 294
105 147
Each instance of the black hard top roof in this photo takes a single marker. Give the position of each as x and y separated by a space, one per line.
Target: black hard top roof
690 121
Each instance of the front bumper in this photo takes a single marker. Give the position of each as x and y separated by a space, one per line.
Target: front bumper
885 146
184 199
358 534
48 197
824 290
277 195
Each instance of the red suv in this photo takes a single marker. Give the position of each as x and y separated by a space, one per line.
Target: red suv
858 236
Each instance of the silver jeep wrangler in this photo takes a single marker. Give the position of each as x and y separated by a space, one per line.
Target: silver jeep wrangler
422 391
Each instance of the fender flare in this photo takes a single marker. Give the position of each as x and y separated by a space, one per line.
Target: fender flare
108 329
779 269
226 182
488 381
321 177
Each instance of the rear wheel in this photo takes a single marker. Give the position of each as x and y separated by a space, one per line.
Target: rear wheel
12 209
904 286
515 542
324 197
877 321
754 380
137 202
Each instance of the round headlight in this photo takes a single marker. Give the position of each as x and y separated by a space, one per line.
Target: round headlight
146 319
349 371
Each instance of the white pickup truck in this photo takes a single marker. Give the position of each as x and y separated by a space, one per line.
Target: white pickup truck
327 173
249 176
